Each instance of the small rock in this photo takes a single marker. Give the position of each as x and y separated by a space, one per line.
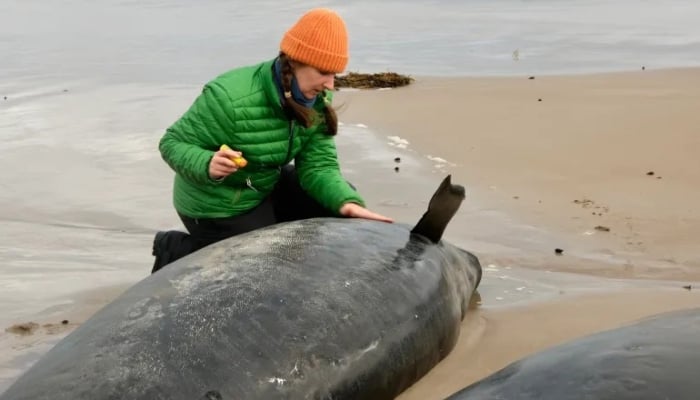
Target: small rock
396 169
687 287
643 68
5 98
558 251
532 77
516 197
650 173
64 322
539 99
602 228
65 90
658 177
397 159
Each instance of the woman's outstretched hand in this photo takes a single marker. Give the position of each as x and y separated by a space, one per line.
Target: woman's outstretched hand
355 210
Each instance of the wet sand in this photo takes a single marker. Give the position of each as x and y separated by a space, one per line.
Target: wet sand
540 175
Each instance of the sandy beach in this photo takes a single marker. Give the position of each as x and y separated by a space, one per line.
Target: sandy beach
567 153
606 164
601 166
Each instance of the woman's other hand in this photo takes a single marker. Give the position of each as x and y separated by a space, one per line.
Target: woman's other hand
221 164
355 210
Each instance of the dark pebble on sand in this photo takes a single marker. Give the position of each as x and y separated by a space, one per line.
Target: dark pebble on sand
396 169
643 68
658 177
532 77
558 252
687 287
602 228
539 99
64 322
397 159
5 98
650 173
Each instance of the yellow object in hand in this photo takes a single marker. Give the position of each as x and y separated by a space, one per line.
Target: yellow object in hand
239 161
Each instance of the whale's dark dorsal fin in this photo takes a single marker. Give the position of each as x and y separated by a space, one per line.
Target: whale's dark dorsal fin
442 207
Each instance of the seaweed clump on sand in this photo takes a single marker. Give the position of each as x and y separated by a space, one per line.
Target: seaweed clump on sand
372 81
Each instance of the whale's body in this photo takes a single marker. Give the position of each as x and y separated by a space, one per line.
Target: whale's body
327 308
657 358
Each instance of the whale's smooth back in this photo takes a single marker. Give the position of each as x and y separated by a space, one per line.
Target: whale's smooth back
315 309
658 358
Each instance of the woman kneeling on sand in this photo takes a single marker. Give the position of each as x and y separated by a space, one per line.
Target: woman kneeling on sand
231 151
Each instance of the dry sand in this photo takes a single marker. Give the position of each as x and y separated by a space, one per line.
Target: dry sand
563 154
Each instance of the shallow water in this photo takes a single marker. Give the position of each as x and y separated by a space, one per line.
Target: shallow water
165 42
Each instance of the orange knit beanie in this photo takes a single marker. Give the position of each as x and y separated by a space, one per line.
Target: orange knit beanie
318 39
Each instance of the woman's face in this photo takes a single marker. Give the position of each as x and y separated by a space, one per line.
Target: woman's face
312 81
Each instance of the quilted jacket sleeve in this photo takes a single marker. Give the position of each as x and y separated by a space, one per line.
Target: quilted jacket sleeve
189 144
319 173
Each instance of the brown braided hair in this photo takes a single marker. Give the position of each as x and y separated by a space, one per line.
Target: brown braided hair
306 116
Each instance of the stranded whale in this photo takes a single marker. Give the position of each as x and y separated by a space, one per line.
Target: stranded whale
652 359
327 308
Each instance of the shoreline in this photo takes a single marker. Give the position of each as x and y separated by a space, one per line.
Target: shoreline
562 74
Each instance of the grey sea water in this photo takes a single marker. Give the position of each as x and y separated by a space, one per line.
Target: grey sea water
188 41
88 87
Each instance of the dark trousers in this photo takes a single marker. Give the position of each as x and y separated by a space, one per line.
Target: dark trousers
288 202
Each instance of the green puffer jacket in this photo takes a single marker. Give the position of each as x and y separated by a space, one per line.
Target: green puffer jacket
241 108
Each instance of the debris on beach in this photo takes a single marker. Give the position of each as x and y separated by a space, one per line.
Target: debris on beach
372 81
397 159
643 68
5 98
587 203
687 287
558 251
650 173
602 228
396 169
532 77
26 328
539 99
